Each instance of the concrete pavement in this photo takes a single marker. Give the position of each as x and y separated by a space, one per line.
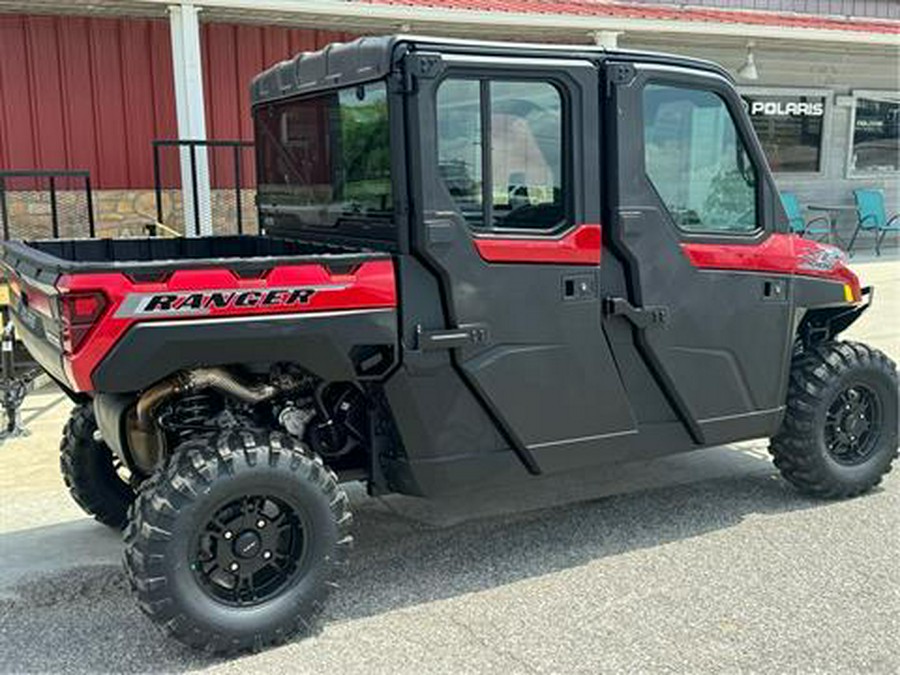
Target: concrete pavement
701 562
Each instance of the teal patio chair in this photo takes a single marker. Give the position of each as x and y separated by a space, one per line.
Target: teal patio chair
872 217
818 227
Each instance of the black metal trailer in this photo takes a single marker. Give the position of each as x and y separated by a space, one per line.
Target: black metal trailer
19 371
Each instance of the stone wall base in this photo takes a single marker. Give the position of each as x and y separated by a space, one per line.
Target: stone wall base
119 213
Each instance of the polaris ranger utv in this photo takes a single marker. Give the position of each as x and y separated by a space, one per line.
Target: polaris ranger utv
478 263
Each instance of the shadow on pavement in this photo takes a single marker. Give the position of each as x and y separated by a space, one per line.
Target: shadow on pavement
30 414
84 619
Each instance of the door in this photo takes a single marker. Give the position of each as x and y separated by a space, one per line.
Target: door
509 224
692 214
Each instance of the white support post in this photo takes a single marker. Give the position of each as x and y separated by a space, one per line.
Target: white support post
190 112
606 38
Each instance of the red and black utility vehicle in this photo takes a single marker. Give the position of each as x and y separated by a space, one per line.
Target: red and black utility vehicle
478 262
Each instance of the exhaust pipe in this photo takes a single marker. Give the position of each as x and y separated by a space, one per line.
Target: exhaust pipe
145 439
195 380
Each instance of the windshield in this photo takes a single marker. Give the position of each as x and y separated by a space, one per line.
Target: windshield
326 160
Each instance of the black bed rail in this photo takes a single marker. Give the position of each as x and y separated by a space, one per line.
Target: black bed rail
236 146
32 181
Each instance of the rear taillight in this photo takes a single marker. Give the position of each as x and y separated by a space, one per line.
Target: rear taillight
79 311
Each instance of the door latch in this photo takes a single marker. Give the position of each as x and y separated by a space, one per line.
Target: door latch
640 317
464 336
580 287
774 290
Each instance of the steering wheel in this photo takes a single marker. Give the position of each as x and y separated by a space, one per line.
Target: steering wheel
534 216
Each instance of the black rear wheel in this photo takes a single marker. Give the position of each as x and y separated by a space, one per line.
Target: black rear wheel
96 479
238 542
839 435
250 550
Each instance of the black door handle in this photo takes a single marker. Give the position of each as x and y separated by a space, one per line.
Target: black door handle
774 289
579 287
640 317
464 336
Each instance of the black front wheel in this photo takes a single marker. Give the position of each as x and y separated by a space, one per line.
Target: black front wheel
237 544
839 435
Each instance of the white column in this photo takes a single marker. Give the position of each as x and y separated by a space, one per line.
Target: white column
606 38
190 112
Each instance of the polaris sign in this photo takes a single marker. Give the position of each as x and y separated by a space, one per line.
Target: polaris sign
786 107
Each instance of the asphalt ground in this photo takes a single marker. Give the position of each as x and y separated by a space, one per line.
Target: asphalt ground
704 562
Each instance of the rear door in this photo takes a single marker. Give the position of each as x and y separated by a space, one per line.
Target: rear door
692 214
506 171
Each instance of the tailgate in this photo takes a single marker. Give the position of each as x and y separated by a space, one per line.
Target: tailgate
35 314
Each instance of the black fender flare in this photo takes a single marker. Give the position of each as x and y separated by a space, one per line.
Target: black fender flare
336 346
819 324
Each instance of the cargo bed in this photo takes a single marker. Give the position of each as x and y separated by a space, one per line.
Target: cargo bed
45 260
76 301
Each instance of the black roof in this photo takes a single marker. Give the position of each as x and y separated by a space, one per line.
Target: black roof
369 58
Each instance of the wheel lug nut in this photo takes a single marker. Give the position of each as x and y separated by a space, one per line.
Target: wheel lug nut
234 567
260 523
228 534
267 555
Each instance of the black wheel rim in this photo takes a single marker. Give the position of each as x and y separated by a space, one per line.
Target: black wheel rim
250 550
852 425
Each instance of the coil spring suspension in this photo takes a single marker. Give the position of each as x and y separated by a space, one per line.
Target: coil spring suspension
191 414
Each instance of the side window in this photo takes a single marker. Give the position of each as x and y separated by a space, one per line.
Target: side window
459 146
696 160
500 152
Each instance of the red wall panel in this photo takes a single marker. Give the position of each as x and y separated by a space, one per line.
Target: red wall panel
44 77
78 103
17 140
92 93
137 81
222 98
163 86
249 63
109 103
85 93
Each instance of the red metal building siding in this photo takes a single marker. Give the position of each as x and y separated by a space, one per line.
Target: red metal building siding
79 92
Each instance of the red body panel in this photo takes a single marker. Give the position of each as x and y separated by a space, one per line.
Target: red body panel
580 246
313 287
778 254
369 286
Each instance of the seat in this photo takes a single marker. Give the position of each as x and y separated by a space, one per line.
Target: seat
819 227
872 217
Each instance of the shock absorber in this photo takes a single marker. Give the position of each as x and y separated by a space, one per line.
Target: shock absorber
191 413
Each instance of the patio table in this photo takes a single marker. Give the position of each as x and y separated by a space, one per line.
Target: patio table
834 212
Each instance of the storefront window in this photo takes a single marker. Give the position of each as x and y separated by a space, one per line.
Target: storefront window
789 128
876 134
